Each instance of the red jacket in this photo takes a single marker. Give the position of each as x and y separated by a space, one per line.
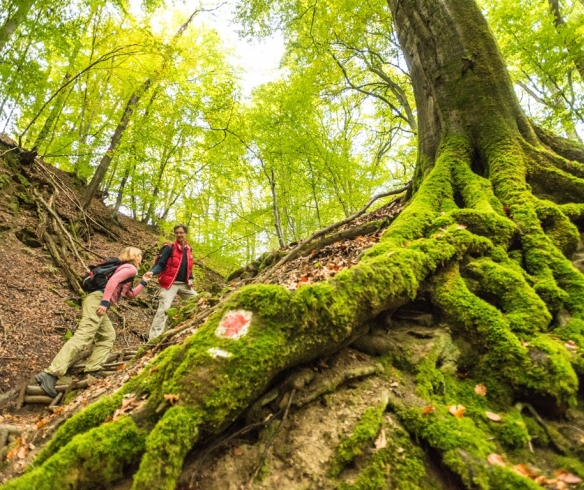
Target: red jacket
167 277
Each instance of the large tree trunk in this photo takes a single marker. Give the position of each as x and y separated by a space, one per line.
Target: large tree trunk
486 234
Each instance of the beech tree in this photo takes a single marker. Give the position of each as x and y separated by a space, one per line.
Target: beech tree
487 235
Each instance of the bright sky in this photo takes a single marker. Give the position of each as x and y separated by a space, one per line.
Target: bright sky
259 59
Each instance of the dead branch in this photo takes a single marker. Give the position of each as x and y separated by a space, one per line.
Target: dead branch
8 151
350 234
3 327
21 394
41 400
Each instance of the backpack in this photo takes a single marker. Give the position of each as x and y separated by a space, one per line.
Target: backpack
100 274
159 254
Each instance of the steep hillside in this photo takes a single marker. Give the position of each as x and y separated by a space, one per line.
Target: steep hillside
39 305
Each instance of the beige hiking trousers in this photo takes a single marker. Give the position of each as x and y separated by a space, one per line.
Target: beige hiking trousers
165 301
91 328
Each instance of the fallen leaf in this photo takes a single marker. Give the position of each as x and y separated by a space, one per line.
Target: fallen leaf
428 409
461 227
237 451
14 451
457 410
541 480
493 416
22 452
121 367
381 441
391 252
566 476
524 470
171 398
570 344
481 389
495 459
42 422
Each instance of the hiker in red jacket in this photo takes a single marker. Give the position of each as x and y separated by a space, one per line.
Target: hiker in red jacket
175 276
95 324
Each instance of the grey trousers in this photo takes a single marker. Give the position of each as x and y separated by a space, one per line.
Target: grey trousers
165 300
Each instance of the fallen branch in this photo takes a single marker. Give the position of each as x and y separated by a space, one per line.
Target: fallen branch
37 399
21 394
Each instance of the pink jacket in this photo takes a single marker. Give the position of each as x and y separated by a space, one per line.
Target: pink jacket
116 287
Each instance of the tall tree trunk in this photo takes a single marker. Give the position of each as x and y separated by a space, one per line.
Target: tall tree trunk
13 21
106 160
108 156
487 234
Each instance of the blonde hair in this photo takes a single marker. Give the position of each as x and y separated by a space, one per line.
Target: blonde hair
132 255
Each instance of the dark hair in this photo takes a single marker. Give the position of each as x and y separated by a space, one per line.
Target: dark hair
186 230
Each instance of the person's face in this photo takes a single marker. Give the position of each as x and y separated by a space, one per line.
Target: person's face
180 235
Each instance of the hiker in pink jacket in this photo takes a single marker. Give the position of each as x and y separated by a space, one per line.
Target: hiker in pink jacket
95 324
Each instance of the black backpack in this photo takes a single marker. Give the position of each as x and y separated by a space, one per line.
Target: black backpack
98 275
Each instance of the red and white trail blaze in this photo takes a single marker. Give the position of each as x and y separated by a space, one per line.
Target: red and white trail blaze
234 324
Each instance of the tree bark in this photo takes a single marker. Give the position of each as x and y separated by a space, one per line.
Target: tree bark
12 22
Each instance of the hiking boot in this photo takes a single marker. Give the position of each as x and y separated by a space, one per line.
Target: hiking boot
47 382
95 374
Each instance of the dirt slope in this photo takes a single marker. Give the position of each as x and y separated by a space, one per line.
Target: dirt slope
38 307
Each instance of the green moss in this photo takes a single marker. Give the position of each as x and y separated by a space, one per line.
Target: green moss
400 464
543 366
364 433
558 227
95 459
524 309
81 422
536 432
70 397
166 447
511 431
429 380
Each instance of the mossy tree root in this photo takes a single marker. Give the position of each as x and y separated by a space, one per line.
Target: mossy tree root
458 220
98 455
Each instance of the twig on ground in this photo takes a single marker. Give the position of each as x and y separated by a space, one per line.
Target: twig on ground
8 151
200 458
